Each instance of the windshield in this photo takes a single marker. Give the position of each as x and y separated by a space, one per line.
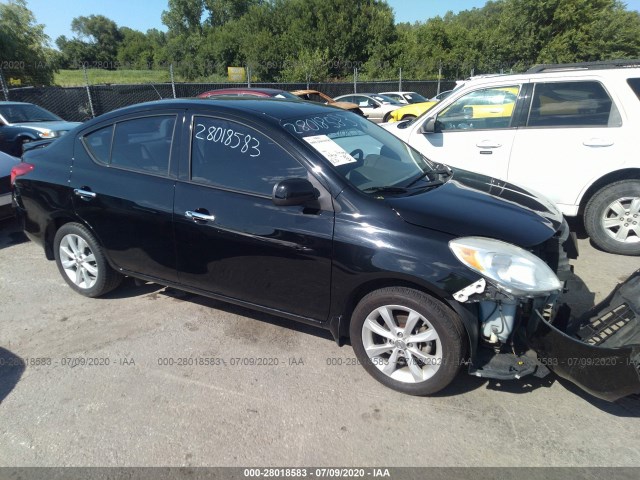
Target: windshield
23 113
366 155
385 99
415 98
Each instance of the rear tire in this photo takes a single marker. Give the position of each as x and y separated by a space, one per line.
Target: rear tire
612 218
386 117
81 262
407 340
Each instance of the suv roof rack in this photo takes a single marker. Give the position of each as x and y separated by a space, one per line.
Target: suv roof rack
601 65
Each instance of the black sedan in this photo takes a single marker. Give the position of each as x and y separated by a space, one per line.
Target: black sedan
315 214
21 123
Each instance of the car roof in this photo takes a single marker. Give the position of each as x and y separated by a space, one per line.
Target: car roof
276 109
556 74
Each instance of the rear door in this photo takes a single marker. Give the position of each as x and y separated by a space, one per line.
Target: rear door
574 134
123 182
231 238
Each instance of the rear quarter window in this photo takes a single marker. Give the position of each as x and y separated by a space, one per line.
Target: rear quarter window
98 143
634 83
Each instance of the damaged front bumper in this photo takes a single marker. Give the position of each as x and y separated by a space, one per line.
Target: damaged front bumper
599 351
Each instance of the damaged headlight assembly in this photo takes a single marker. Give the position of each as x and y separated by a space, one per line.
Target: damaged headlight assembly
513 271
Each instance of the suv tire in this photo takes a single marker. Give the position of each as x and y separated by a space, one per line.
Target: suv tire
612 218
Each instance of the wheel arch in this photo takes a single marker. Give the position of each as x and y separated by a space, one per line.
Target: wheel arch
339 324
609 178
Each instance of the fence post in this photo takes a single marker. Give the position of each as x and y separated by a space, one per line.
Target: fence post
400 81
439 77
308 79
355 80
86 82
173 83
248 76
3 84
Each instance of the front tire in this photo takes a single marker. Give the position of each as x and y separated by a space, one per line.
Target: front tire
81 262
612 218
407 340
408 117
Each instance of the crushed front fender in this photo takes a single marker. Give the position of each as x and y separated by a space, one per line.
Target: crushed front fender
599 351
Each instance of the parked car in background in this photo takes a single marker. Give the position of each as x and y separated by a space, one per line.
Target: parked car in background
7 162
405 97
319 97
409 112
376 107
21 123
319 216
248 92
566 131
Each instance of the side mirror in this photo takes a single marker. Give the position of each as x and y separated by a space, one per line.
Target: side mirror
293 191
430 126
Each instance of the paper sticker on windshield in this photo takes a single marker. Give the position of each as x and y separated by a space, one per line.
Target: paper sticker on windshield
330 150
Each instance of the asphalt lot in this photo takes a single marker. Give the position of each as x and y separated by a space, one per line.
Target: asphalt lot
131 407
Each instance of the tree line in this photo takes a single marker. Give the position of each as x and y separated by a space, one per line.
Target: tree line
319 40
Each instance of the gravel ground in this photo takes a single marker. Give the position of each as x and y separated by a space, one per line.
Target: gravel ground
314 408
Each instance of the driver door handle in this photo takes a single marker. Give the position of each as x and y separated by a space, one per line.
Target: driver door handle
488 144
84 194
196 216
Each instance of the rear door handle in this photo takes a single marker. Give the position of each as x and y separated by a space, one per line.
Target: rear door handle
84 194
196 216
597 142
488 144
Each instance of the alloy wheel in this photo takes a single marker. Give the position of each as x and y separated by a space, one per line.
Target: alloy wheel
402 343
78 261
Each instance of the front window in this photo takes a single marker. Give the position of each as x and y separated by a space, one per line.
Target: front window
488 108
231 155
366 155
24 113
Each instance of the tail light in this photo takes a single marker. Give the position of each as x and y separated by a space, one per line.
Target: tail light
19 170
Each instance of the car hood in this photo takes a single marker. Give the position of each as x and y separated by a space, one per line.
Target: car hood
54 125
470 204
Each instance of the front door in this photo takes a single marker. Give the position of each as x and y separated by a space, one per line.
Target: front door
475 132
232 240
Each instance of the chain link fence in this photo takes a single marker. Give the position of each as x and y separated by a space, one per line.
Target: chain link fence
84 102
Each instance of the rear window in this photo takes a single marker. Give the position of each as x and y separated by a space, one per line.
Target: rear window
634 83
142 144
572 104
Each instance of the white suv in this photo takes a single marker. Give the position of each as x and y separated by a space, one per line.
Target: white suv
566 131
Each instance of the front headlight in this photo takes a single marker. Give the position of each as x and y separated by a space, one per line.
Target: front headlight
511 268
47 134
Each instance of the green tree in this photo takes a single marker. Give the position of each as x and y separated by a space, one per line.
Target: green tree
24 46
306 65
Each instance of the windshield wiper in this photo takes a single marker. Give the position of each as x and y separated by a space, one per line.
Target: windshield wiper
385 189
439 170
